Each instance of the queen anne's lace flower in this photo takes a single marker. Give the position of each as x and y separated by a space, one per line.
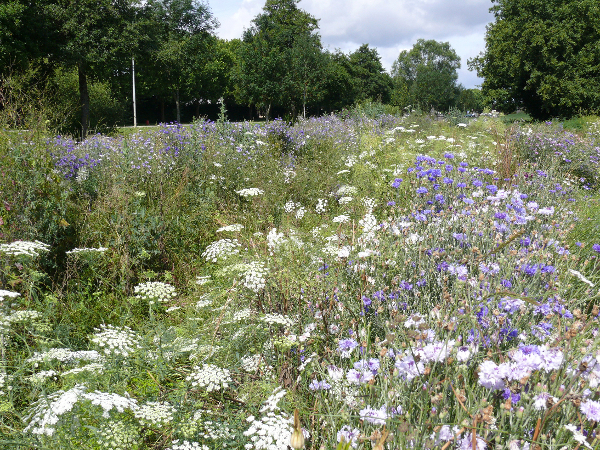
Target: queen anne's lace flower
27 248
210 377
10 294
108 401
64 355
235 227
250 192
187 445
155 291
277 319
221 249
117 435
255 276
76 251
113 340
155 413
45 413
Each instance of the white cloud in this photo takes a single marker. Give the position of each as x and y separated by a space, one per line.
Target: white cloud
390 26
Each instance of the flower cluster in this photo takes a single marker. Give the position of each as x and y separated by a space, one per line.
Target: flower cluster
116 341
26 248
155 291
76 251
221 249
210 377
117 435
187 445
155 413
250 192
234 228
255 276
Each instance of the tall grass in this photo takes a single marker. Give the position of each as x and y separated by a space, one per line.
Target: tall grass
399 282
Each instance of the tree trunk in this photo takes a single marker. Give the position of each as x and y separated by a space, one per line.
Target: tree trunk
177 103
84 101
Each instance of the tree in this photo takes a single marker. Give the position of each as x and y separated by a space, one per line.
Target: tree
470 100
542 55
426 75
183 33
280 60
370 80
95 36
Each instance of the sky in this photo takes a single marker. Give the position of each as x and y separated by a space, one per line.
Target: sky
389 25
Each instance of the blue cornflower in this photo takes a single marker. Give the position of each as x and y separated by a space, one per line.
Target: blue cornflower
396 182
422 190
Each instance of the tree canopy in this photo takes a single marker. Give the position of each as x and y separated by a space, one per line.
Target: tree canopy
280 60
542 55
426 75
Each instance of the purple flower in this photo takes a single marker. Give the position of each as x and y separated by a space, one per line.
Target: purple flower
374 416
596 248
422 190
591 409
319 385
391 203
491 375
349 436
396 182
358 377
345 347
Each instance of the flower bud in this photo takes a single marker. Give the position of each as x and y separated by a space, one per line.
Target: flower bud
297 440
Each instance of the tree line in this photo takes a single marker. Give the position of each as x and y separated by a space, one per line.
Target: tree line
75 60
84 52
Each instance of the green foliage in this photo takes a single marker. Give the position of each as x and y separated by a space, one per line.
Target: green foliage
370 80
542 55
426 76
280 62
105 110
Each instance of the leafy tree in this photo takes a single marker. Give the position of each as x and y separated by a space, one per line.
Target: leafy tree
426 75
370 80
543 55
95 36
183 30
280 61
339 89
470 99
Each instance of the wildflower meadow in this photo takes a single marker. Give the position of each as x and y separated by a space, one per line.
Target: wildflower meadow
397 282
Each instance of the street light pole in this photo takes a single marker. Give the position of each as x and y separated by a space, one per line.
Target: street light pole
134 108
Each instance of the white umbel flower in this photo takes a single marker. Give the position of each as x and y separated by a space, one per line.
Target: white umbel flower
26 248
210 377
221 249
113 340
155 291
155 413
250 192
255 276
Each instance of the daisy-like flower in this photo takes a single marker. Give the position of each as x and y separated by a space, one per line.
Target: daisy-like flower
374 416
348 435
210 377
491 375
578 435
